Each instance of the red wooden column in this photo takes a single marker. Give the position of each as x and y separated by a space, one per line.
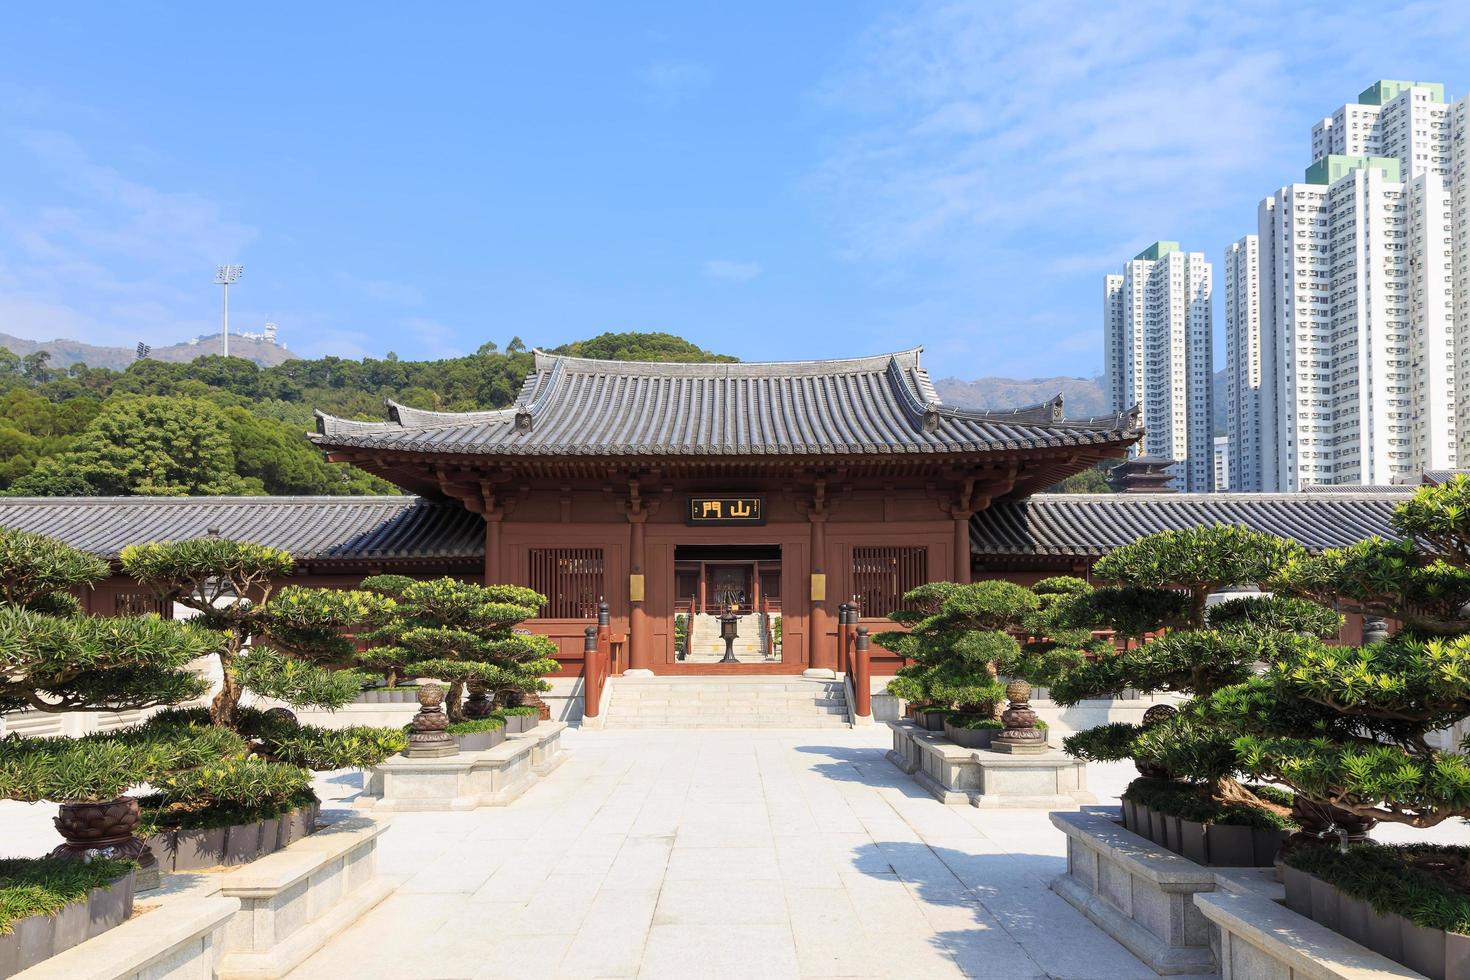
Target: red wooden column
494 570
640 657
961 546
823 657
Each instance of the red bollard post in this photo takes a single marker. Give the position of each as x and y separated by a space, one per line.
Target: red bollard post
592 678
862 676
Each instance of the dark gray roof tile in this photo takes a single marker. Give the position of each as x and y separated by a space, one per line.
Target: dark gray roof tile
882 405
311 528
1090 525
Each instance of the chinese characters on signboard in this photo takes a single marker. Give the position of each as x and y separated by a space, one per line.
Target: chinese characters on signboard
725 510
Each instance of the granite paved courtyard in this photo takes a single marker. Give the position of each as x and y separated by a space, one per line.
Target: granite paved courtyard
723 854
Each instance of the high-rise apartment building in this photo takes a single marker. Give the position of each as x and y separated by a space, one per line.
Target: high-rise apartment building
1222 463
1355 302
1159 356
1244 360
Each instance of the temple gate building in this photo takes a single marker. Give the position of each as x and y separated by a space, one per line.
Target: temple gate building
675 492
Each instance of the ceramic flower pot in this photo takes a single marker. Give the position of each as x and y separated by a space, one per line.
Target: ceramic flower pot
1232 847
1423 949
1326 904
99 828
195 849
1352 919
968 738
1172 834
1298 890
1267 841
1192 842
242 843
1386 934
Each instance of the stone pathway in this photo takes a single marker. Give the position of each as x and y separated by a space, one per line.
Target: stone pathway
724 854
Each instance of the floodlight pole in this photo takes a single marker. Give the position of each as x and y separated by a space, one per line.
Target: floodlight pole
224 275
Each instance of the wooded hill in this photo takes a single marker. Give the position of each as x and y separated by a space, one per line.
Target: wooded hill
219 425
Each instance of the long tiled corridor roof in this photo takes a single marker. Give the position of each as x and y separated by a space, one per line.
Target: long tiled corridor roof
572 406
409 528
1089 525
311 528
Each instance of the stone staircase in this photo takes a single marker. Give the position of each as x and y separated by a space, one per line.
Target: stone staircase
708 648
726 701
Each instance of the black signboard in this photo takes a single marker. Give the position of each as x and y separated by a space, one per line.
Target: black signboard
706 511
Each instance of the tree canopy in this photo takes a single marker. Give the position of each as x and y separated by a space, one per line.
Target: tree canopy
244 426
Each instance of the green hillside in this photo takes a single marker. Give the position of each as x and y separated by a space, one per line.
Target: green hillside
218 425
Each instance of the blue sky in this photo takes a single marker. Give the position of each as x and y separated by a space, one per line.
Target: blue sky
772 180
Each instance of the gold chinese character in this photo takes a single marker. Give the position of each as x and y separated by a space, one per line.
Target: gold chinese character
711 507
741 508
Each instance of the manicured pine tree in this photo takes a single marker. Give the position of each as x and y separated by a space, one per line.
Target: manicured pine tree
53 658
960 640
291 644
1175 644
465 635
1349 728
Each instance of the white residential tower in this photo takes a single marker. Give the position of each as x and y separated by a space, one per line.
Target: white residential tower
1159 356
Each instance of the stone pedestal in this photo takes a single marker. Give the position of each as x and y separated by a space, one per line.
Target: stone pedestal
1136 892
952 774
492 777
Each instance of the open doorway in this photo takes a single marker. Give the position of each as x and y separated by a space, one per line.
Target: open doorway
716 581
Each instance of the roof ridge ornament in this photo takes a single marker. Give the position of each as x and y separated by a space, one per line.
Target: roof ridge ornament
1058 414
931 417
523 418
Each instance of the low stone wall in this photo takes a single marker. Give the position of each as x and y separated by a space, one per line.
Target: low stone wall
1136 892
492 777
257 922
293 901
1259 939
957 775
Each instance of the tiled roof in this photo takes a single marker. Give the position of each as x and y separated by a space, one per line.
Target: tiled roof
406 528
1089 525
311 528
881 405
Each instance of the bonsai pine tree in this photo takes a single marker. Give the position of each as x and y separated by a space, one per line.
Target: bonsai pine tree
1173 644
55 659
1349 727
289 644
959 640
463 634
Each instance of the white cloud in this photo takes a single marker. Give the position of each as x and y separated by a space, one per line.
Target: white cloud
1117 123
383 290
731 270
120 261
670 81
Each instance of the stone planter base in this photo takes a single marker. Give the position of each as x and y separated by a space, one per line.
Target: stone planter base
1260 938
969 738
492 777
253 923
479 741
382 695
37 938
1216 845
1434 953
953 774
1136 892
193 850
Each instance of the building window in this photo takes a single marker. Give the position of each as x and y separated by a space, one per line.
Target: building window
881 576
571 580
141 604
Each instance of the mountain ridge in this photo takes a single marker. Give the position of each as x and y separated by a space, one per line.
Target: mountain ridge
65 352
